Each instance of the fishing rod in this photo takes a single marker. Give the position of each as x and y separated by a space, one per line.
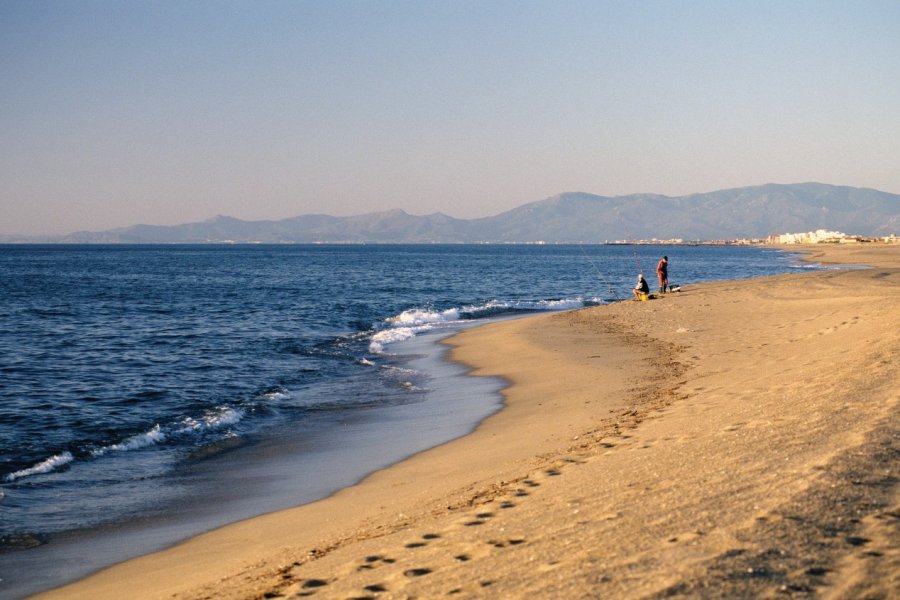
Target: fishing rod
637 259
599 273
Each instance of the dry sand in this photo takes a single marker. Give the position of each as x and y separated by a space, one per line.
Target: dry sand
737 439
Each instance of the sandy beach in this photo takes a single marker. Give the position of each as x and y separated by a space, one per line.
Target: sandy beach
736 439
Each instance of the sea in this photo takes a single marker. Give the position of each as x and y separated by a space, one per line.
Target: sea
150 393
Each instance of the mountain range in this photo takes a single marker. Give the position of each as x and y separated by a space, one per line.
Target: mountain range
574 217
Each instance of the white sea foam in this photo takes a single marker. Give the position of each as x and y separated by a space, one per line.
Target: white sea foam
417 317
400 370
388 336
564 304
51 464
275 396
411 322
221 417
135 442
498 306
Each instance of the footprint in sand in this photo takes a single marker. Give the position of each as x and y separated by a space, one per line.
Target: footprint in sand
505 543
479 519
484 584
734 427
372 561
308 588
427 536
688 538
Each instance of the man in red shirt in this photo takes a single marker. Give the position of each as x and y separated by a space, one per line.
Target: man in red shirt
662 272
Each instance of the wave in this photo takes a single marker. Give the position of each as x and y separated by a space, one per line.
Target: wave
418 316
135 442
402 326
221 417
275 395
45 466
390 336
411 322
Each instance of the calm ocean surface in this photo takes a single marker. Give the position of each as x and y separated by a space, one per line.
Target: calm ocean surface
148 393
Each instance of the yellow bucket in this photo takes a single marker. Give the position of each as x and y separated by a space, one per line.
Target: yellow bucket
644 297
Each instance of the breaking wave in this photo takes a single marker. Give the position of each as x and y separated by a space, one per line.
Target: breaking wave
51 464
135 442
411 322
219 418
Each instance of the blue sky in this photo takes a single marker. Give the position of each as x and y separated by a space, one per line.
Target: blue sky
121 112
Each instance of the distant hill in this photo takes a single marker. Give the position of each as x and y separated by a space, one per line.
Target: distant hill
752 212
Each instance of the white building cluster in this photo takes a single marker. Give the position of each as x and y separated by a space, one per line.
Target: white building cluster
819 236
823 236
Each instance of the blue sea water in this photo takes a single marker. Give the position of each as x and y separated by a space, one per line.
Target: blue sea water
148 393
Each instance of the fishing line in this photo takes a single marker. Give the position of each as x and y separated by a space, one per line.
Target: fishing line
637 259
599 273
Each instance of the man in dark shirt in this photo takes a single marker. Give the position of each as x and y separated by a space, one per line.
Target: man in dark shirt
642 287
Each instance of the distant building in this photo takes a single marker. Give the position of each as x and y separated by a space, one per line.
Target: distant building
819 236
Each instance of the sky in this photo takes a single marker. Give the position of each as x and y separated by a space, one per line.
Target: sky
117 112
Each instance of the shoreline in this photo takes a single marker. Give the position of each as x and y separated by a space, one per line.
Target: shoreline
623 459
452 407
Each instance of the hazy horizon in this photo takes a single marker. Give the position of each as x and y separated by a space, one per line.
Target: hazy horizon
116 114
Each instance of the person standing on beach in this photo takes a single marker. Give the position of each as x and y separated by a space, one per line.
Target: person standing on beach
662 272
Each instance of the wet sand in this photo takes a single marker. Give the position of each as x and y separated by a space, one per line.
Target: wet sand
736 439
